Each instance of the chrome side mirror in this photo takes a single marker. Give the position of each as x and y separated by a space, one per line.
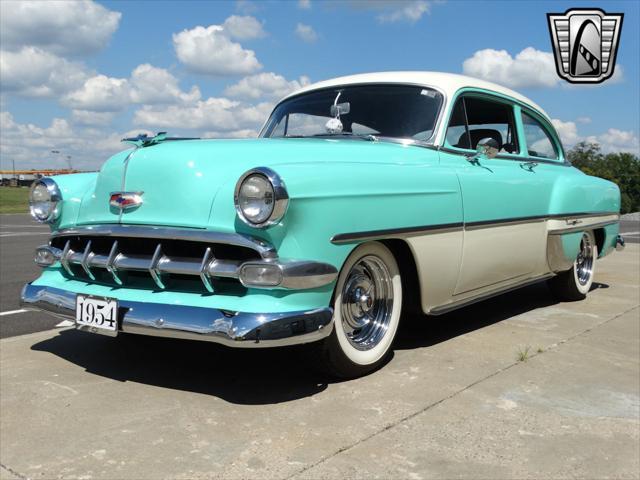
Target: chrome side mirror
487 148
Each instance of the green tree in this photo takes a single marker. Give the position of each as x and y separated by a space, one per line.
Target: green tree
621 168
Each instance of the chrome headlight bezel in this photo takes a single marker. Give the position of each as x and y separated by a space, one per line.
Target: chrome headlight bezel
280 197
55 199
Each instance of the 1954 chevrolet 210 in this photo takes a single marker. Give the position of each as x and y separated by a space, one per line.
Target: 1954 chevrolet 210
364 195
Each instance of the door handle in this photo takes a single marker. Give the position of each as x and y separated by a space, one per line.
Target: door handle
528 166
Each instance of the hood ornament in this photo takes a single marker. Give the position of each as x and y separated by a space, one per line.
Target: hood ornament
144 140
125 200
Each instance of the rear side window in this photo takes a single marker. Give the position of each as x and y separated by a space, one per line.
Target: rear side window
473 119
539 142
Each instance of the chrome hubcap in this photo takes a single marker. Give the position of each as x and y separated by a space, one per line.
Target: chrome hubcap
584 262
367 303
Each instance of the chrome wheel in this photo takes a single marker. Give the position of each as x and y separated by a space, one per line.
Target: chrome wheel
367 302
584 262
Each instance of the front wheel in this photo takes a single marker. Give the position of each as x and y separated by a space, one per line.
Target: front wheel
367 306
574 284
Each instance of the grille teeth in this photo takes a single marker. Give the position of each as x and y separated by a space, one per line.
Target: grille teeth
118 260
153 266
64 259
86 258
111 268
204 270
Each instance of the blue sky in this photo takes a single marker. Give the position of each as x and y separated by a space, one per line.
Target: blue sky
77 76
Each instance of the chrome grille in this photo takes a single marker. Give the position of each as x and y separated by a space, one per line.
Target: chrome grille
107 255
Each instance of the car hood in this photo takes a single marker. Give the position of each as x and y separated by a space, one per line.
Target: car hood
180 180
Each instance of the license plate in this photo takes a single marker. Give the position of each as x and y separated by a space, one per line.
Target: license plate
97 314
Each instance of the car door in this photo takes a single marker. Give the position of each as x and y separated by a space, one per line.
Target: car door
504 213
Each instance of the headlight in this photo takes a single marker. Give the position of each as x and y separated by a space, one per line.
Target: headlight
261 198
44 200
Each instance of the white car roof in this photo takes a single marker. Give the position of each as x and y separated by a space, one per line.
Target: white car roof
449 83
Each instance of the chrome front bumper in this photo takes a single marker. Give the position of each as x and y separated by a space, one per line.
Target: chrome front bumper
234 329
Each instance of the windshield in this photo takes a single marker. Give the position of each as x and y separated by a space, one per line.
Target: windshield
396 111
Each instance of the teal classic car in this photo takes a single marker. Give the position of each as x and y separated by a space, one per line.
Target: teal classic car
365 196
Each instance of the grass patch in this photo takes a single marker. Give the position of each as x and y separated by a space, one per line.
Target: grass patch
14 199
523 353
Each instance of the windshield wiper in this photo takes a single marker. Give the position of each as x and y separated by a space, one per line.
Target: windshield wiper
364 136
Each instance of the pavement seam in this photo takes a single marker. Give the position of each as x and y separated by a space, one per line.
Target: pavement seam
13 472
455 394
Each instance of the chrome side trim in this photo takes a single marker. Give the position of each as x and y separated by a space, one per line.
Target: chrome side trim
394 232
504 222
448 227
441 310
233 329
265 250
577 226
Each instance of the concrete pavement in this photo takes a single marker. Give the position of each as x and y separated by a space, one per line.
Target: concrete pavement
454 401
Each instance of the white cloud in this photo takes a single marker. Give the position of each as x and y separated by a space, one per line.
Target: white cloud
154 85
100 94
614 140
87 117
60 27
147 84
392 11
35 73
211 51
245 133
529 68
304 4
212 114
611 141
30 145
568 132
583 119
247 6
243 28
306 33
265 85
406 12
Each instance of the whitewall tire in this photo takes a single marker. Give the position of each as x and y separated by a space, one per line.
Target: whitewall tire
574 284
367 307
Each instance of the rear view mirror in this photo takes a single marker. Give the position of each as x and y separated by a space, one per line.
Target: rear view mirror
340 109
486 148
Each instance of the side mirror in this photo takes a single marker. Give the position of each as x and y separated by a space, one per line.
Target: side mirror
487 148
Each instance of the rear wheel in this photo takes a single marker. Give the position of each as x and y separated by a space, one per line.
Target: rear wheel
367 307
574 284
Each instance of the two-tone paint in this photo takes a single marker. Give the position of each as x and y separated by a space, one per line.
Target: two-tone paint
473 229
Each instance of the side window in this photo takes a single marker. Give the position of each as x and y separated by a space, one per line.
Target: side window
457 133
473 119
539 143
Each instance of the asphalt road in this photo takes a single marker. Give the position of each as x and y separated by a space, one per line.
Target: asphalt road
20 235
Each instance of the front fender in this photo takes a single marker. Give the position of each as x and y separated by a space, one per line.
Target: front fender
73 188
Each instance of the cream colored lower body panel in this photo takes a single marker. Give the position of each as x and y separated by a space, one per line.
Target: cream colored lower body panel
495 255
437 258
457 267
